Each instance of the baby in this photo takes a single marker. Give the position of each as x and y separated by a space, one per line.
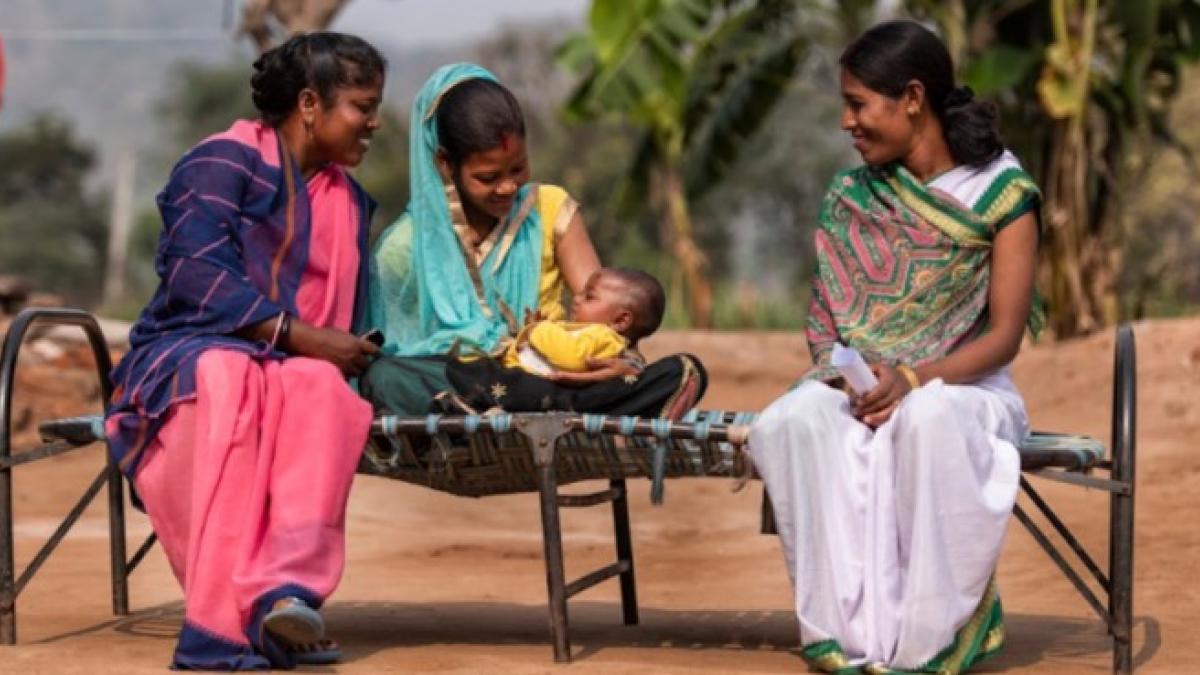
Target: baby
617 308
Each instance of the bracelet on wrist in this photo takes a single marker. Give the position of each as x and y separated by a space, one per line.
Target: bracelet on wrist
285 334
283 327
909 374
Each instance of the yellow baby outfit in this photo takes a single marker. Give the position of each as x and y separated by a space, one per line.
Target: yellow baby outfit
545 346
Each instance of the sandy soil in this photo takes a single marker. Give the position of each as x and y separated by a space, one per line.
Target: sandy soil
442 584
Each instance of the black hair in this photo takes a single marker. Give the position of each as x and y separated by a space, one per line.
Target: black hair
321 61
890 55
475 116
647 300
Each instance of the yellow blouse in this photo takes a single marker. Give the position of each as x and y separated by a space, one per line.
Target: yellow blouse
556 209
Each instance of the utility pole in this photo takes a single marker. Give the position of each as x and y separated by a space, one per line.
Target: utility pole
119 226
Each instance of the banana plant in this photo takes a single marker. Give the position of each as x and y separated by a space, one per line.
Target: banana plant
695 78
1086 88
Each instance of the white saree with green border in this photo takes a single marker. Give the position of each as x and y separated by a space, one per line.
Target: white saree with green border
891 536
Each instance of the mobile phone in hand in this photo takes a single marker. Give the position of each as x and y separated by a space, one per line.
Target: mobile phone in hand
374 336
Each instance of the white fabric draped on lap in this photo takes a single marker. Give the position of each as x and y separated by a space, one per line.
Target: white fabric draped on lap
890 536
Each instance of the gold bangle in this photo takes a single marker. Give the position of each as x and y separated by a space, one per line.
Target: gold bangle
909 374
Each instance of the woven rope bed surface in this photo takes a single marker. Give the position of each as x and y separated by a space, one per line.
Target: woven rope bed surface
487 456
477 456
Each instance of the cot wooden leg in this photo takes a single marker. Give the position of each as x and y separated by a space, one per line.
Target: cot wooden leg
767 517
556 582
1120 602
620 508
116 538
542 432
8 596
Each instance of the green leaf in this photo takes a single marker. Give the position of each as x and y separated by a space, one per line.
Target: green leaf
1000 68
638 46
726 52
741 108
575 53
633 193
611 22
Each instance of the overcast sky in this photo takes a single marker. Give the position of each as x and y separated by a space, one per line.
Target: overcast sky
429 22
406 22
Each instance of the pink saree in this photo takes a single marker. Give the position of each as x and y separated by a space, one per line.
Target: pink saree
246 484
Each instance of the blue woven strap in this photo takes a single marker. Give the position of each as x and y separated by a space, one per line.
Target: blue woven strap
627 424
658 468
471 423
744 417
593 424
98 428
501 423
1087 451
431 424
388 423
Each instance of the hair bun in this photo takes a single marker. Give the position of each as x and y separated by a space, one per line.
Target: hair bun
322 61
958 97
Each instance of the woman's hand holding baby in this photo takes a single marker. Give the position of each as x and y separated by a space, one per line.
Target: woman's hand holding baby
599 370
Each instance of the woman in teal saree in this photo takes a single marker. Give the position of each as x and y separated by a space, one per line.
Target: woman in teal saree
480 249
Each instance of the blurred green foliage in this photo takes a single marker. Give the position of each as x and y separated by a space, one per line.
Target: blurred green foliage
754 218
52 228
1088 91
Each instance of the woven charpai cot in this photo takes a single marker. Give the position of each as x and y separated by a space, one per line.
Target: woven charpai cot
476 456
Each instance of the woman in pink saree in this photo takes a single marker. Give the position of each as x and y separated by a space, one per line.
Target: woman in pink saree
232 415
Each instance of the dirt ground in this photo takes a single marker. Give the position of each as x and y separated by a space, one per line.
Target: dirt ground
450 585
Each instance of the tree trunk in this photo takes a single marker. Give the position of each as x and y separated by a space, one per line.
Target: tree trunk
120 224
1080 213
1072 311
1081 261
295 16
692 261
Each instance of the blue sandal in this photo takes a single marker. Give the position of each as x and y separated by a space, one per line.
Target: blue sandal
320 653
294 623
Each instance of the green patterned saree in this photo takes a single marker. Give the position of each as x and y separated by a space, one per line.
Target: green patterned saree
903 269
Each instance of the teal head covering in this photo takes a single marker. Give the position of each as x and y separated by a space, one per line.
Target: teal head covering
421 293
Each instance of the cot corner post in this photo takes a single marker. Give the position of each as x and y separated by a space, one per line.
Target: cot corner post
1121 524
8 588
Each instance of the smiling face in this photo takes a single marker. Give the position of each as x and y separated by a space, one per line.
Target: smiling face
487 181
882 127
342 127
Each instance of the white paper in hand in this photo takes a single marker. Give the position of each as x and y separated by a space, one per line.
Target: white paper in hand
853 369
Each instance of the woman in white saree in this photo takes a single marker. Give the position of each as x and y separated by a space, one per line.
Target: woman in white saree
892 505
